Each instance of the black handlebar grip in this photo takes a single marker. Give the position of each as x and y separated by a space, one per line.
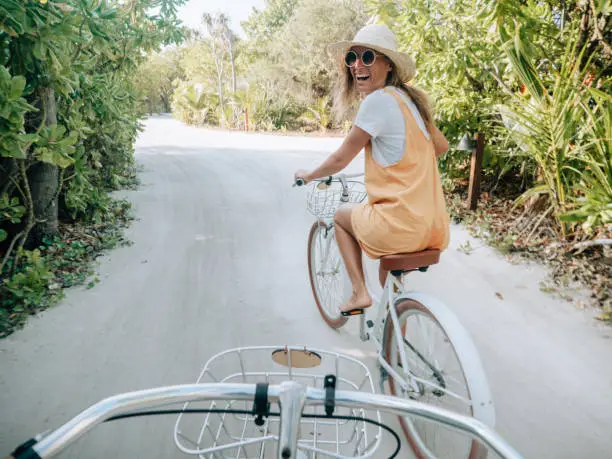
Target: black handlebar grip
299 182
25 451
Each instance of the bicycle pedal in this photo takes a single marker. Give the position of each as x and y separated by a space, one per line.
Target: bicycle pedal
352 312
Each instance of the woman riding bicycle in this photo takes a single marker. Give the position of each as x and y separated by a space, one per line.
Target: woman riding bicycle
406 210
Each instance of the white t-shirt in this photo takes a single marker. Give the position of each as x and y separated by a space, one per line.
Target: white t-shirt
381 116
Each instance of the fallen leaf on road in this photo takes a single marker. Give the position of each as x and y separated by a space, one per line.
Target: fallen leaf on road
499 295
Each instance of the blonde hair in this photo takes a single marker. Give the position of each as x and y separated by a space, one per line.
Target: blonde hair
346 97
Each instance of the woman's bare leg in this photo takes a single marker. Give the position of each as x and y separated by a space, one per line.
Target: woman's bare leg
351 254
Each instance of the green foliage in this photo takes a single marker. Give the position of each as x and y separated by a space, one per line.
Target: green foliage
262 25
192 104
11 211
54 147
26 289
13 107
63 261
592 204
273 116
195 98
319 115
87 52
155 79
559 125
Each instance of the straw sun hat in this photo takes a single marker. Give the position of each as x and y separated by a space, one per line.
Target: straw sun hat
379 38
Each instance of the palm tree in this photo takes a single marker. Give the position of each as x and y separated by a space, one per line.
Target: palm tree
557 124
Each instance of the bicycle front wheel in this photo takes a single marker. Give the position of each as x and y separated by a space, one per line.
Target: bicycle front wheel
327 275
441 379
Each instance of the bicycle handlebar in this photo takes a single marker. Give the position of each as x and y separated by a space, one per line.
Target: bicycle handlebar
340 177
291 395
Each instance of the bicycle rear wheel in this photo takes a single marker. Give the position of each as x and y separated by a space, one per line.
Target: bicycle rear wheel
443 379
327 274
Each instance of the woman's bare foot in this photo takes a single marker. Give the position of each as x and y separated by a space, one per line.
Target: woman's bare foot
357 302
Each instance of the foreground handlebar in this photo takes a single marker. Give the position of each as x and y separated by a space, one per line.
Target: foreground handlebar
134 402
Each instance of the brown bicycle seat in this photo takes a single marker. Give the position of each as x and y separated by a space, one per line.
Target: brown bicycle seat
410 261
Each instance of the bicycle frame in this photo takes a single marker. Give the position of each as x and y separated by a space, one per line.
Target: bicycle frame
408 380
394 291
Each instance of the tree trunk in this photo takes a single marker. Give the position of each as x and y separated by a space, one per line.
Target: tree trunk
166 103
219 66
233 76
231 52
8 168
43 178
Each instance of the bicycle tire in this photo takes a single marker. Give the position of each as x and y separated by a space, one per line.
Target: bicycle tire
405 307
334 321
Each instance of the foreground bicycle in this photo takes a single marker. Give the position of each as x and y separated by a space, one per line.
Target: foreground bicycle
423 351
272 402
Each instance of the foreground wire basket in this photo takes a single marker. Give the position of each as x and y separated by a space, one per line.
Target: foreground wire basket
225 435
324 198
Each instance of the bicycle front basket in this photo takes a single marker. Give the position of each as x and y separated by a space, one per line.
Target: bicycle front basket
323 200
221 435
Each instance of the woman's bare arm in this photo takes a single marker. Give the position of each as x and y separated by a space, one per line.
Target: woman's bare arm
439 141
354 142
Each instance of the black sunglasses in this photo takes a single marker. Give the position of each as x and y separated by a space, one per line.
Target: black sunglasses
368 57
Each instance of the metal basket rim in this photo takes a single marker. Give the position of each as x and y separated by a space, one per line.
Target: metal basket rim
319 351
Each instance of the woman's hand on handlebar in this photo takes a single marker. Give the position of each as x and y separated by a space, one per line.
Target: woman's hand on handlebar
302 177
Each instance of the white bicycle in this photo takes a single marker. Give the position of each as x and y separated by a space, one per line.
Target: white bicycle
424 353
272 402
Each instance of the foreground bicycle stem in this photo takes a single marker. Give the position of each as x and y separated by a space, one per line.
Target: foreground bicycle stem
291 396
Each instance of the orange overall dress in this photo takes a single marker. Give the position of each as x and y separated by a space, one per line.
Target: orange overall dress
406 211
